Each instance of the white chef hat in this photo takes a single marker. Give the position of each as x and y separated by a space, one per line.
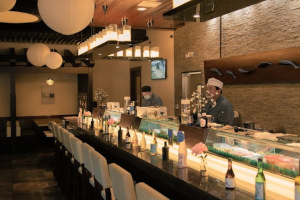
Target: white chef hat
215 82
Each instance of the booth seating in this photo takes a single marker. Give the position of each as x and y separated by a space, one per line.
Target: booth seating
88 171
145 192
102 181
122 183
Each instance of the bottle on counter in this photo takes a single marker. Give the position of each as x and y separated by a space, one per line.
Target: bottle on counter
143 142
203 119
170 136
153 145
198 119
165 152
182 153
105 124
230 177
92 123
127 140
135 141
79 119
297 185
260 182
120 133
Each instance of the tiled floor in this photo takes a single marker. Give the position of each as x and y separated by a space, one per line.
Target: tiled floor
29 176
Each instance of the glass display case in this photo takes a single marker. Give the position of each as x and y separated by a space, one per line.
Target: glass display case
281 156
114 114
160 126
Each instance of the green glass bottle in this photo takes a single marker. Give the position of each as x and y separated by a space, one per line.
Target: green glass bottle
260 182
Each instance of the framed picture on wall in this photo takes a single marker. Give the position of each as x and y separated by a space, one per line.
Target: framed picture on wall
47 94
158 69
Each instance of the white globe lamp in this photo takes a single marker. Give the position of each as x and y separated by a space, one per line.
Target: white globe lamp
37 53
53 60
66 16
6 5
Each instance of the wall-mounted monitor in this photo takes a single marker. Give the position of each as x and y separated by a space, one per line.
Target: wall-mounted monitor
158 69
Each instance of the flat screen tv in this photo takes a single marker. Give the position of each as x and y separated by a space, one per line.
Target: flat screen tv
158 69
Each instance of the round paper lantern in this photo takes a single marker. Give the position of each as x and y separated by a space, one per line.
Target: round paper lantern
67 16
6 5
53 60
37 53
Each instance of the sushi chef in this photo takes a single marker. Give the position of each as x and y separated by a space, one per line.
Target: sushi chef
217 106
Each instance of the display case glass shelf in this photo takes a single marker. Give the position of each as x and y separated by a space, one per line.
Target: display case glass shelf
114 114
278 156
160 126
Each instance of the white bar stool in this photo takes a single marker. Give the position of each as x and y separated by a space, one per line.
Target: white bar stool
145 192
122 183
102 180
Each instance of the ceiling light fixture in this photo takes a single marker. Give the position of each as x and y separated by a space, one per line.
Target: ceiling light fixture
110 33
15 17
50 81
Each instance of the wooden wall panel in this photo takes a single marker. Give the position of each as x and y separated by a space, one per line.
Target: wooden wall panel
273 73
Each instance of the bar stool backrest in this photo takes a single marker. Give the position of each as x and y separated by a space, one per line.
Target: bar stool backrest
68 135
62 135
86 153
101 169
56 128
76 146
122 183
53 130
145 192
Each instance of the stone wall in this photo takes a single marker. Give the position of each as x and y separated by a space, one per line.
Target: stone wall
269 25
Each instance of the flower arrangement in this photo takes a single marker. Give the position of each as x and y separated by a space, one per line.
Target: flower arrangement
87 113
101 95
199 150
198 100
110 121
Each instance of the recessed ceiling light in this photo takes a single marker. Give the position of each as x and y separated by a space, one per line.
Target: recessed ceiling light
141 8
117 46
99 54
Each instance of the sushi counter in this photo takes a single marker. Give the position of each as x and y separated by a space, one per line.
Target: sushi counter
280 153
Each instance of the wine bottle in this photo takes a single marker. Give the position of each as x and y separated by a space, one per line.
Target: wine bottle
297 185
165 152
127 140
182 153
230 177
260 182
92 123
120 134
135 139
153 145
